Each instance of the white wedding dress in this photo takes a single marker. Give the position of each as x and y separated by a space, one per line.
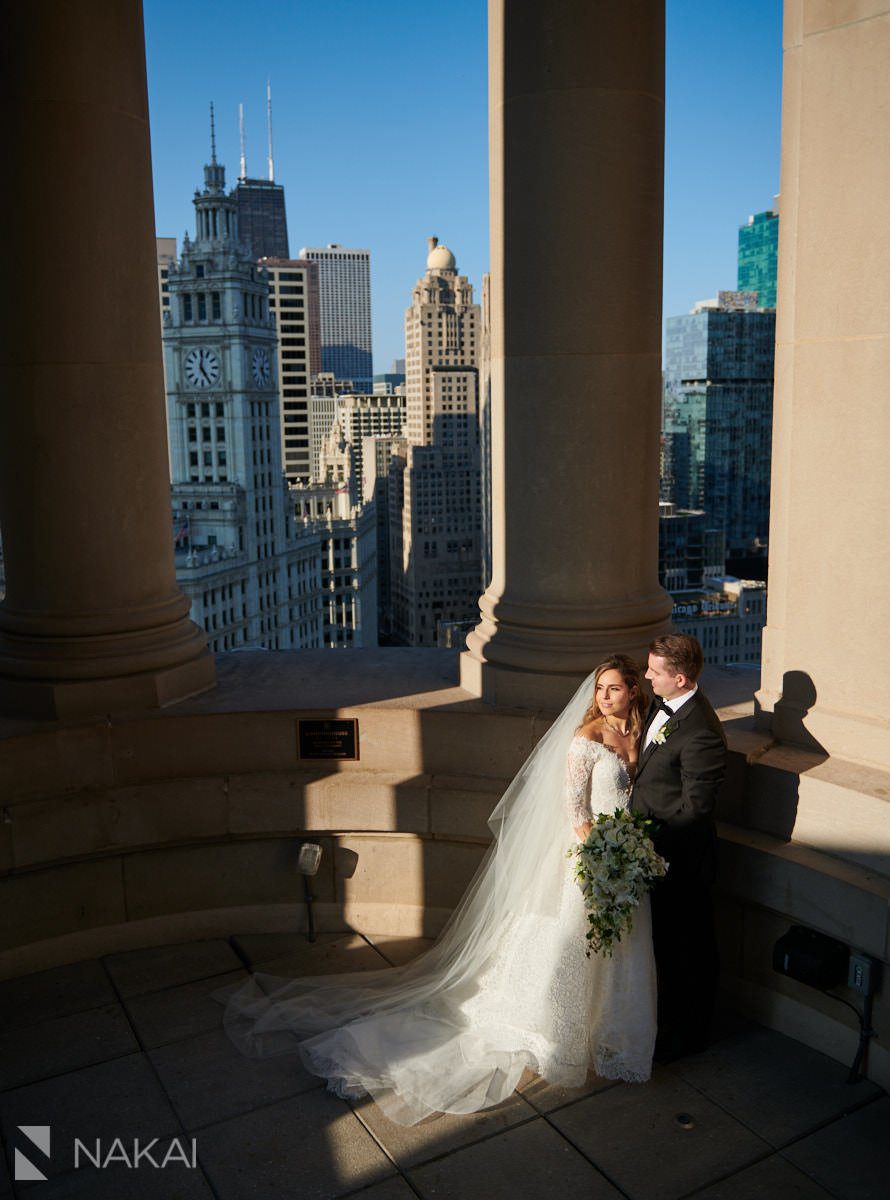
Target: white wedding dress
506 987
542 994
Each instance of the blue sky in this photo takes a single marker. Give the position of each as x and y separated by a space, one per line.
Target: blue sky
380 128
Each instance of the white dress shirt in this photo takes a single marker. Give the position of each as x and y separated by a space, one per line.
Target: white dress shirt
661 717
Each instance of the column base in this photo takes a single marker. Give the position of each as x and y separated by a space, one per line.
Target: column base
514 687
507 687
72 666
527 656
75 699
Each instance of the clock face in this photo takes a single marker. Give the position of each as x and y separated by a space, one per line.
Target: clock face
201 367
262 371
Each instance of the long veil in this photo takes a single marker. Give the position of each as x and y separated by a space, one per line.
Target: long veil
401 1034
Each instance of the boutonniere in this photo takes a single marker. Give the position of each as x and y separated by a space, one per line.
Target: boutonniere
659 738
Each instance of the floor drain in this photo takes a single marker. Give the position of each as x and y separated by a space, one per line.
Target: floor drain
685 1121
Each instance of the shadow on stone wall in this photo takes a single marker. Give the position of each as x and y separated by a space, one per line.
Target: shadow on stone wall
788 722
762 788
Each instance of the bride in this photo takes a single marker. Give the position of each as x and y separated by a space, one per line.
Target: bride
507 985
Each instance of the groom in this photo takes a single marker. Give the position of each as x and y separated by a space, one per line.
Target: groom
681 766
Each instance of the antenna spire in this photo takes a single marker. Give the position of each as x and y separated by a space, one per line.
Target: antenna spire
269 126
212 136
243 174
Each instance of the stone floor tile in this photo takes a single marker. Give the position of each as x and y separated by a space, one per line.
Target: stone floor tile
64 1044
179 1012
67 1017
260 947
529 1163
121 1098
278 971
727 1023
118 1182
137 971
291 955
391 1189
57 992
851 1157
209 1080
310 1146
409 1145
778 1087
631 1134
398 950
546 1097
773 1177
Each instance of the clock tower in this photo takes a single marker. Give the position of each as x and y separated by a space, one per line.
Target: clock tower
234 530
219 348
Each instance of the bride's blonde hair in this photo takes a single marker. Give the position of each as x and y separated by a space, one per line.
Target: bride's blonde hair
633 677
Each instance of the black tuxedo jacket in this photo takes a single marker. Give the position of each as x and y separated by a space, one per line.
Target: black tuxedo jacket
677 783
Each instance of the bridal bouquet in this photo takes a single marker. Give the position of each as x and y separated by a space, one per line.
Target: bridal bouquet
614 867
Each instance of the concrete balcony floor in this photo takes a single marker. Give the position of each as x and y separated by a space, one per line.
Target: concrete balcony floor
131 1045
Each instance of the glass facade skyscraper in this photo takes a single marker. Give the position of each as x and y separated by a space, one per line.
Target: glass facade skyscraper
689 549
262 221
758 257
718 407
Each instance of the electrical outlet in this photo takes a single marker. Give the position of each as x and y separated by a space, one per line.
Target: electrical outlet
862 973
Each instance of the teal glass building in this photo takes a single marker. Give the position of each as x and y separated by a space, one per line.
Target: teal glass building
758 257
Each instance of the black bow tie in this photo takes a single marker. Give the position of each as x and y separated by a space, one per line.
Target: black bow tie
663 706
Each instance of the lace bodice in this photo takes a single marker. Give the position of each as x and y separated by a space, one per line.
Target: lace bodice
590 791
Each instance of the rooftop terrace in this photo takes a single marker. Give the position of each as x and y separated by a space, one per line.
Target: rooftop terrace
131 1045
126 1042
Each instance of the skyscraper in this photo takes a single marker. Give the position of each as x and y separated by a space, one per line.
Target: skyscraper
436 553
348 562
484 353
166 250
759 256
442 344
688 550
262 221
251 572
718 406
293 302
344 293
362 417
350 439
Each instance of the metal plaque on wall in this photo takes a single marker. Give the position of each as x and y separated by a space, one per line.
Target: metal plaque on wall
333 738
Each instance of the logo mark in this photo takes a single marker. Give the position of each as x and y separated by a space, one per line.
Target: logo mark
23 1167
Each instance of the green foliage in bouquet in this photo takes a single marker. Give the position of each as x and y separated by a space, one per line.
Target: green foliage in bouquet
615 866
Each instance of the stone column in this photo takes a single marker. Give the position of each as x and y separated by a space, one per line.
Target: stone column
576 167
93 619
826 646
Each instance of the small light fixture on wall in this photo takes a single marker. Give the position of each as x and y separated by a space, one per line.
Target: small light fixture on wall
308 862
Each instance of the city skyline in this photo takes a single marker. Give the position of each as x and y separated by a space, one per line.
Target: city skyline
359 162
156 793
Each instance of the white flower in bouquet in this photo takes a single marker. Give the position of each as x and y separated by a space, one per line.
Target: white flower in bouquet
614 867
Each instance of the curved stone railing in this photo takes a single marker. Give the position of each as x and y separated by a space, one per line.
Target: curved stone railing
141 828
